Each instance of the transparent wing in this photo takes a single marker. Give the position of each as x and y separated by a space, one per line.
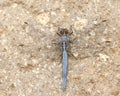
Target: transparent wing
88 41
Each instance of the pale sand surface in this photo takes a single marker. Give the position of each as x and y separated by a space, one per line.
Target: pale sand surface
29 62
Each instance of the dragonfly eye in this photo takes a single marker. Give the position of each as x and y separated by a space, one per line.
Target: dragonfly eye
66 32
61 32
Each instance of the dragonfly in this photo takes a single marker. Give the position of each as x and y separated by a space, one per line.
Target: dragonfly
64 45
79 44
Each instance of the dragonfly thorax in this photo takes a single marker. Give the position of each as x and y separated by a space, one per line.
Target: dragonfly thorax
64 38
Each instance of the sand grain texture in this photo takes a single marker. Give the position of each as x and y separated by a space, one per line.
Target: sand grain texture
29 63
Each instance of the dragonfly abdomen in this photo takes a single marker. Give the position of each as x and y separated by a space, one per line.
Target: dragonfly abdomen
65 67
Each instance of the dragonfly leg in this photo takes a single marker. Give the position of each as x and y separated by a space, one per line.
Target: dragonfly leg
71 41
70 54
59 31
59 34
71 31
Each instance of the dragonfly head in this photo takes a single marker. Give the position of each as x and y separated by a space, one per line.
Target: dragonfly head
63 31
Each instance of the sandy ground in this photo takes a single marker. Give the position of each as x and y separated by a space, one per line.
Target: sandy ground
30 63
